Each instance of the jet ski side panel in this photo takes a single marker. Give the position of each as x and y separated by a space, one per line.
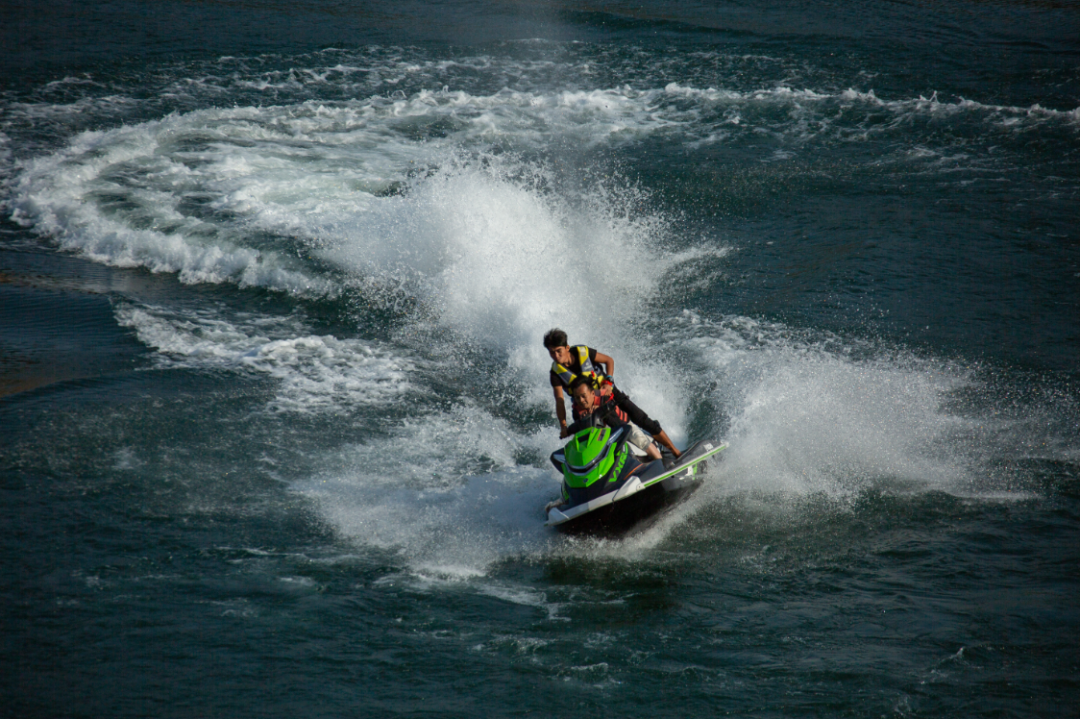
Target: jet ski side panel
692 456
646 492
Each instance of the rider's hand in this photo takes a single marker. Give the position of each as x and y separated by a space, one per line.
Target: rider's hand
564 432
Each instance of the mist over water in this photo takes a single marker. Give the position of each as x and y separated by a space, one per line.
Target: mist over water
273 328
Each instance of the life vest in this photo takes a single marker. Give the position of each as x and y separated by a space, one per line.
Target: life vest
621 414
608 406
603 406
598 379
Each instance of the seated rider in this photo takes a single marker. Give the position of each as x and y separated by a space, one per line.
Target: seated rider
591 406
568 363
593 410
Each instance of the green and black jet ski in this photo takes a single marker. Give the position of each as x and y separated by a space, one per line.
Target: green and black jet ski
607 490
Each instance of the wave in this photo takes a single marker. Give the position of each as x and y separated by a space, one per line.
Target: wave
244 195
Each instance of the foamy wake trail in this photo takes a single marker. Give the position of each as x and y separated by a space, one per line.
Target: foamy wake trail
247 195
315 374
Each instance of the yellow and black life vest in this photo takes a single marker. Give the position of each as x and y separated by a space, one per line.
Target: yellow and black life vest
587 369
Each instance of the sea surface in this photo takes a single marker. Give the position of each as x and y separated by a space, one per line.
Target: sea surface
274 409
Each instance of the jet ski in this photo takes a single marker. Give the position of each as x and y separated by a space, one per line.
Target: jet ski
607 489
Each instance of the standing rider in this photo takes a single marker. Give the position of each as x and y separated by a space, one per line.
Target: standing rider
568 363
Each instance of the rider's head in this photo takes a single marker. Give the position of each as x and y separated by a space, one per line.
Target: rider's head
557 346
582 391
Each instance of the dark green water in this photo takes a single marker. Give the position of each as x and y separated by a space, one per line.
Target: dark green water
274 416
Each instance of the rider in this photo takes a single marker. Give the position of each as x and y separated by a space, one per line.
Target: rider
589 405
570 362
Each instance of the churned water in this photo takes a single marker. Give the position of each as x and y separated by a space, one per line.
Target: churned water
275 418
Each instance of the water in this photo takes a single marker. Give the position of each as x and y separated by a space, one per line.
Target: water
275 418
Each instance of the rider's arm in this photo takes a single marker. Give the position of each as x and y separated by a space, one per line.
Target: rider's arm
560 410
609 364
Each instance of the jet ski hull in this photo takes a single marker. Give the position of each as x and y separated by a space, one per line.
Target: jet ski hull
638 511
637 500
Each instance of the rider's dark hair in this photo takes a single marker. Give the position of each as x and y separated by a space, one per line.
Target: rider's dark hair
578 381
555 338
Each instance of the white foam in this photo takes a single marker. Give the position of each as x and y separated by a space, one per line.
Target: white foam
806 417
316 374
5 163
305 174
419 495
313 173
71 195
